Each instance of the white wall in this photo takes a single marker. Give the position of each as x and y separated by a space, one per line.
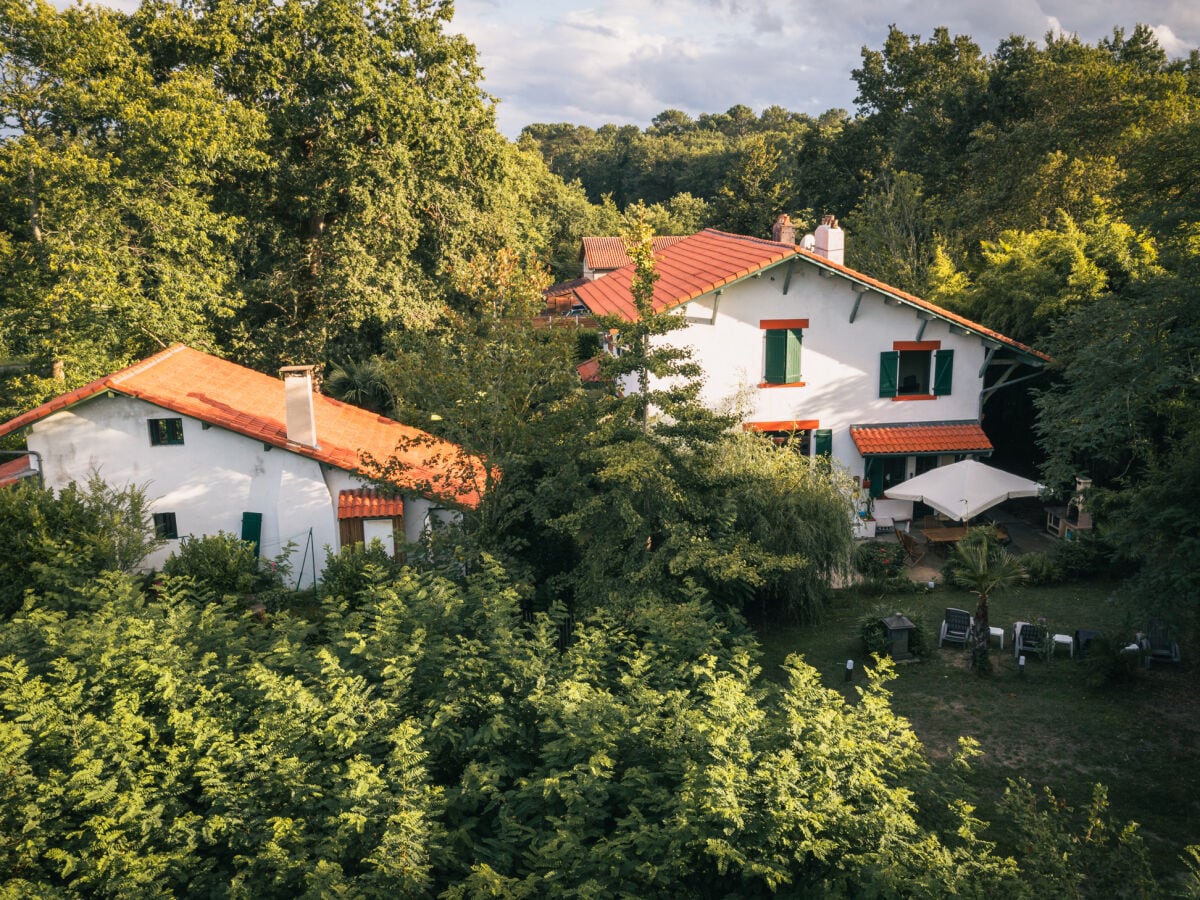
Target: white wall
208 481
839 360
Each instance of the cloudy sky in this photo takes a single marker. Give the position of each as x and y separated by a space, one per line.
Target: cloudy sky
624 61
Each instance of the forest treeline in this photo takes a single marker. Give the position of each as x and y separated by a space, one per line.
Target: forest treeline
322 181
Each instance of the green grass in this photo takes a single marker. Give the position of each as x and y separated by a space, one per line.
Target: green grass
1052 725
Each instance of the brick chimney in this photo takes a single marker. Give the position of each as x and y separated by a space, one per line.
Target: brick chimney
783 231
298 399
830 241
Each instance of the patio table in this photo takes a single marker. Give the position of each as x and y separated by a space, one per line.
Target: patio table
949 535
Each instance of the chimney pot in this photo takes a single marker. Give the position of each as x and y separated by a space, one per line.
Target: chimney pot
783 231
299 420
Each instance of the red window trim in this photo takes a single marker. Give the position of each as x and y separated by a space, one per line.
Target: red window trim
768 384
777 324
785 425
899 398
916 345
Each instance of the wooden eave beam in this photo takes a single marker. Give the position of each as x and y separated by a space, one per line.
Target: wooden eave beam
859 290
925 318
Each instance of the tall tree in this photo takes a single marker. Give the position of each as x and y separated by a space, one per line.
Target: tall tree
755 191
109 227
383 160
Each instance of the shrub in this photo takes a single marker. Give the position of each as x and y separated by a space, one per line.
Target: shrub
1087 556
1041 568
55 541
890 586
1108 665
879 559
226 564
356 567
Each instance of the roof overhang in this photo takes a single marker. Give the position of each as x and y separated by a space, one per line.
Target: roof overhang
920 438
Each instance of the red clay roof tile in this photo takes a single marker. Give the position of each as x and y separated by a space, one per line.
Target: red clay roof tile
927 437
607 253
222 393
711 259
368 503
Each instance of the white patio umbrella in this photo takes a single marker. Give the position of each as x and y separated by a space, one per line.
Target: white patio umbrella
963 489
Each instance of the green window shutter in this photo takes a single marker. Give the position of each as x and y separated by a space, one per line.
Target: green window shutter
823 442
943 372
252 528
889 367
874 472
794 336
776 368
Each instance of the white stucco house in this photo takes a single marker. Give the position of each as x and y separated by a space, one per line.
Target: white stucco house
811 350
219 447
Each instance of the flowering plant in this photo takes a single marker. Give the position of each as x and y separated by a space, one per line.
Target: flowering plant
879 559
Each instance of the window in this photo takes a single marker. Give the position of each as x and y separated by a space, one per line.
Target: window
916 370
884 472
801 434
164 526
781 354
165 431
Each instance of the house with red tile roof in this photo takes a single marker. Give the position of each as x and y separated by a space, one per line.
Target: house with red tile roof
809 349
600 255
219 447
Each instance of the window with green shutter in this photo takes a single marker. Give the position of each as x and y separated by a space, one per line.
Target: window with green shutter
252 528
889 362
919 370
873 473
943 372
782 365
823 442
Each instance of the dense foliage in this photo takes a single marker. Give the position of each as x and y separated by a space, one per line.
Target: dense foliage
57 541
430 738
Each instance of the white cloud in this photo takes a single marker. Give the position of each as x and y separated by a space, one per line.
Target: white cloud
624 61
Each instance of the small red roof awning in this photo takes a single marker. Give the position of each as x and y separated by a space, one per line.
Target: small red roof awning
366 503
785 425
16 469
929 437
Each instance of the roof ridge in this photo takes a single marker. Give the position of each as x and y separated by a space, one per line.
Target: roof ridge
931 424
749 238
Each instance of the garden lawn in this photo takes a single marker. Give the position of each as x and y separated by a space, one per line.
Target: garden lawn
1052 725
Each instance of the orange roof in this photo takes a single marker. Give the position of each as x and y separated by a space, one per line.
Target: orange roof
589 369
712 259
222 393
16 469
607 253
927 437
564 287
367 503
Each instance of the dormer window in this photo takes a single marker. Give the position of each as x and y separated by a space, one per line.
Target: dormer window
165 431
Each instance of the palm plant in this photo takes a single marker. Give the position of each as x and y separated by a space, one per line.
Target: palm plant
983 567
361 383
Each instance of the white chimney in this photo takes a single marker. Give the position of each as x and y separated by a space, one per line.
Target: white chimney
830 241
298 398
